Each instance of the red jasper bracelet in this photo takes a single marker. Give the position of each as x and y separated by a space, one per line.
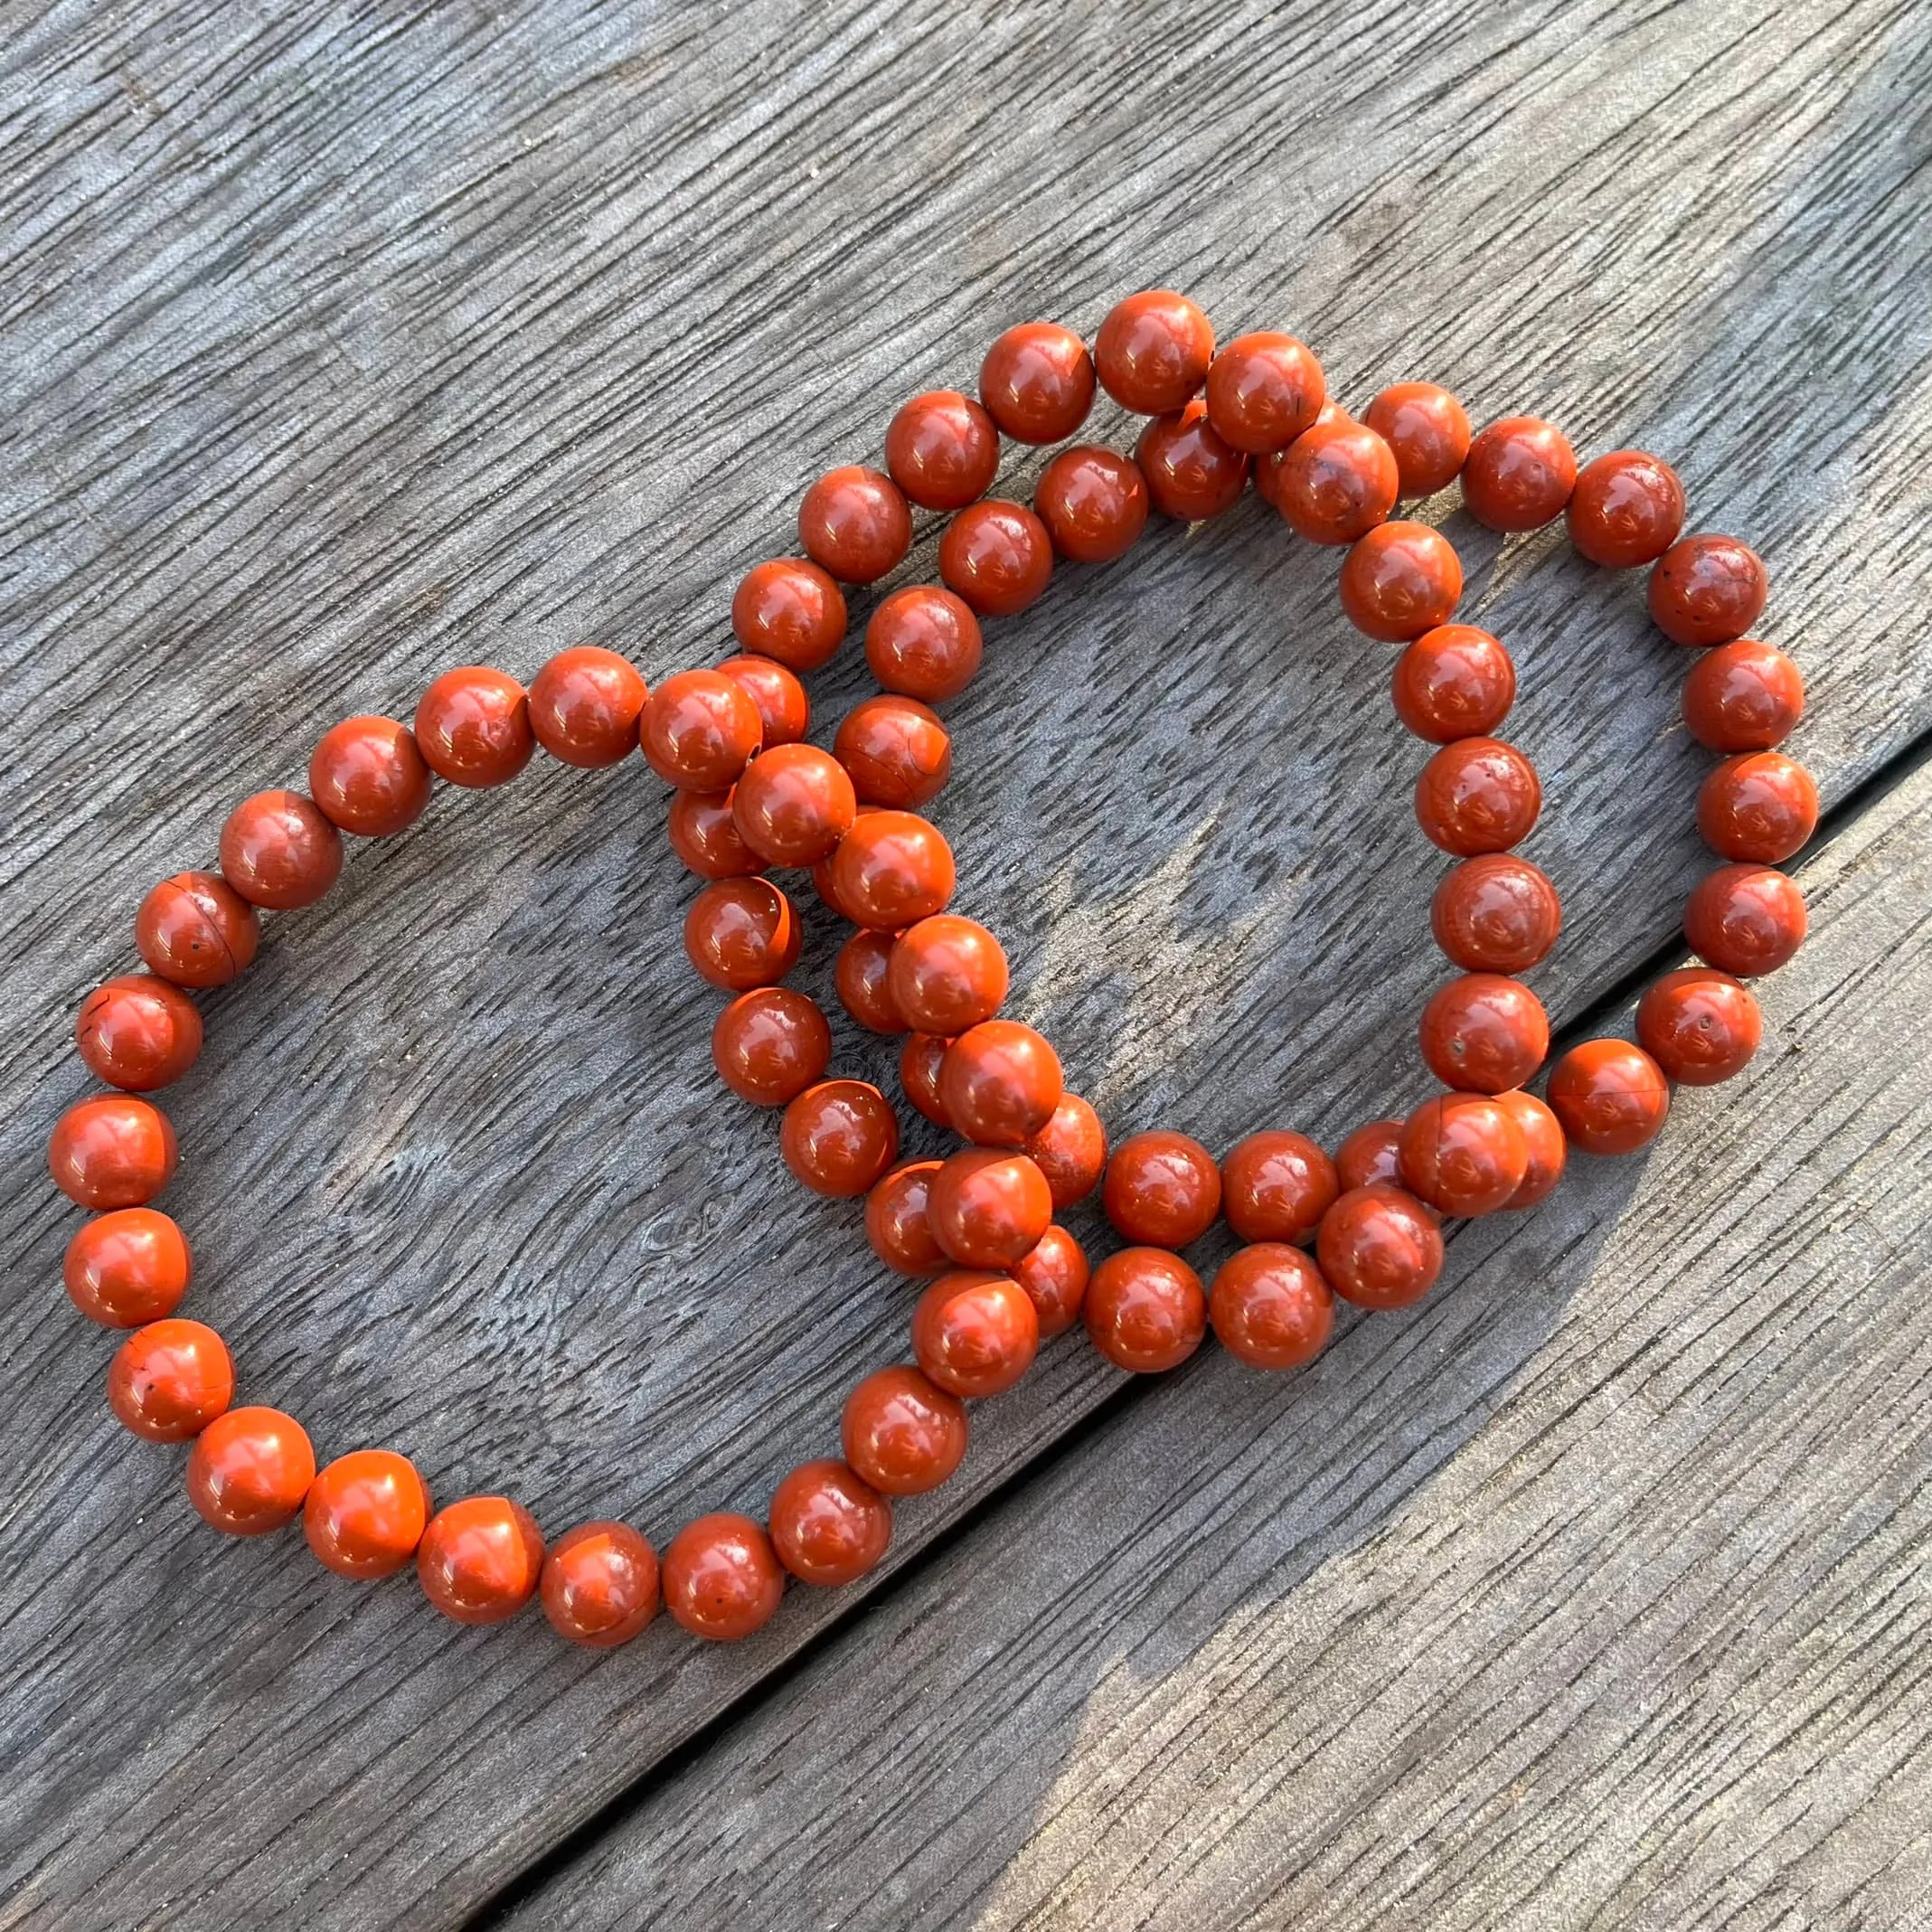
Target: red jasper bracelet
751 795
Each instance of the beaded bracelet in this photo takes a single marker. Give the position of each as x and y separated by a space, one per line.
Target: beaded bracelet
751 795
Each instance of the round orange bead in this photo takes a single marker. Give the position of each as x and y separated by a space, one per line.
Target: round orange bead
769 1045
839 1136
794 805
946 975
1496 914
919 1061
1271 1306
114 1151
897 1223
1163 1190
368 776
1743 696
1070 1150
1477 795
480 1559
1428 430
1706 590
1745 920
1700 1026
1263 389
721 1578
139 1033
784 711
1542 1140
1154 352
741 933
988 1207
1276 1186
902 1433
1453 681
366 1512
1191 474
999 1083
1145 1310
997 556
860 975
195 930
1094 502
1485 1033
126 1267
1759 806
1626 509
598 1585
250 1470
896 751
279 851
1037 382
975 1333
855 524
1611 1097
891 870
700 729
790 611
1464 1154
924 643
942 449
1379 1248
1335 482
170 1380
828 1525
1518 474
473 725
1399 580
705 837
1369 1156
1054 1274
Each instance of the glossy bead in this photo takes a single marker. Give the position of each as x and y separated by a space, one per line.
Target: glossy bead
1464 1154
699 730
988 1207
1610 1096
897 1225
1706 590
902 1433
250 1470
1190 472
1453 681
366 1512
896 750
721 1578
794 805
1518 474
942 449
705 837
1427 429
1263 389
368 777
473 725
1336 482
997 556
860 976
1485 1033
1145 1310
1162 1190
1759 806
1700 1026
113 1151
1543 1142
1743 696
741 933
975 1333
892 869
1276 1186
480 1559
919 1061
999 1083
170 1380
138 1031
279 851
789 609
839 1136
1271 1306
1745 920
1369 1156
584 707
855 524
1496 914
1054 1274
1401 580
598 1585
828 1525
126 1267
769 1045
1070 1150
1037 382
946 975
1154 352
1094 502
1478 795
1379 1248
195 930
924 643
784 711
1626 509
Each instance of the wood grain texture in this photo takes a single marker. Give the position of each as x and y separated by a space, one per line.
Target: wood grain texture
344 344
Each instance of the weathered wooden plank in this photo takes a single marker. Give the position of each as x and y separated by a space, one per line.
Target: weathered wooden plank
343 347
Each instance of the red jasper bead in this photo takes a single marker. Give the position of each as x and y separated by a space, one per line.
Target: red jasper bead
1745 920
1037 382
1336 482
365 1513
1700 1026
473 726
1610 1096
279 851
170 1380
741 933
828 1525
919 1061
1093 501
784 711
1163 1190
942 449
598 1586
1542 1138
721 1578
1054 1274
1453 681
1263 389
1192 472
1153 352
896 751
1485 1033
1706 590
250 1470
895 1220
924 643
1271 1306
988 1207
1518 474
975 1333
1379 1248
1478 795
790 611
1464 1154
1496 914
138 1031
584 708
126 1267
860 975
368 777
1401 580
1760 805
999 1083
769 1045
892 869
855 524
902 1434
113 1151
699 730
839 1136
1743 696
1626 509
195 930
705 837
1427 429
1145 1310
1369 1156
946 975
794 805
997 556
480 1559
1276 1186
1070 1150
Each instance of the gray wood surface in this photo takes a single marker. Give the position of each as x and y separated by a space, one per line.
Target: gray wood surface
344 346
